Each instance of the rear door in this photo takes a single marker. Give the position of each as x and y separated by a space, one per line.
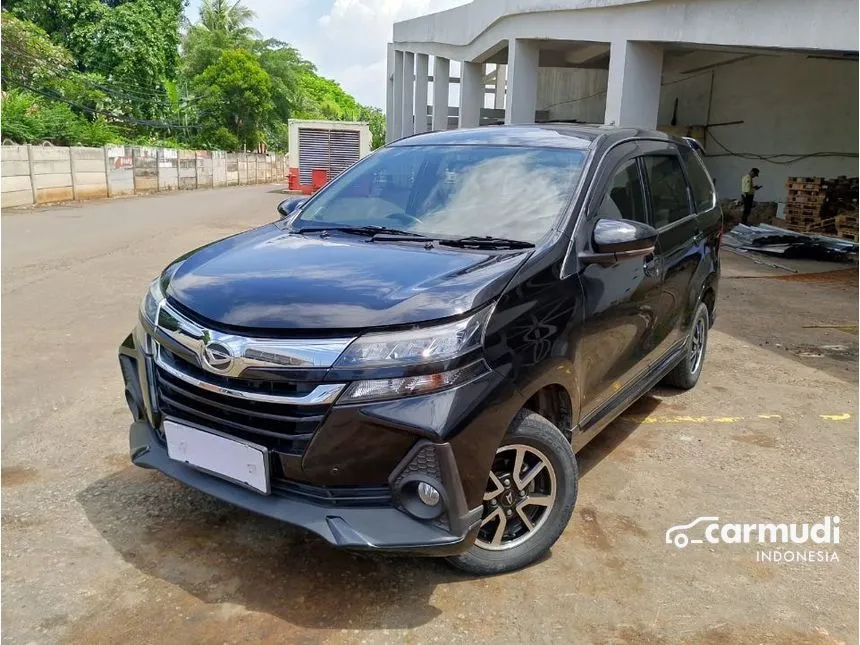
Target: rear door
672 214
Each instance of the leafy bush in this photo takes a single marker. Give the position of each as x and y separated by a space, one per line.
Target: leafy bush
30 118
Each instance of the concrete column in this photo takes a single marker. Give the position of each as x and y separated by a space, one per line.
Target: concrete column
441 78
389 94
633 89
501 77
471 94
422 64
397 102
408 94
522 81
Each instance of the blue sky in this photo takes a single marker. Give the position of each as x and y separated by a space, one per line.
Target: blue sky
346 39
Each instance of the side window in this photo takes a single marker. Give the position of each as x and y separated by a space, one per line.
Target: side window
624 198
668 186
703 189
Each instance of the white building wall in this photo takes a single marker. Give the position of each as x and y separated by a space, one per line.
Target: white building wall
570 93
788 104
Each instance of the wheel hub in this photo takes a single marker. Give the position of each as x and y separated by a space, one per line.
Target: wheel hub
520 494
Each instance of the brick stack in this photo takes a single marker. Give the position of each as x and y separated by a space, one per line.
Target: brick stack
819 205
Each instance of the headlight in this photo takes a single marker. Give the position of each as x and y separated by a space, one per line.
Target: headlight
416 346
395 388
151 301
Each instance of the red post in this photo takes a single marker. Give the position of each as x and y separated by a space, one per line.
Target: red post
319 178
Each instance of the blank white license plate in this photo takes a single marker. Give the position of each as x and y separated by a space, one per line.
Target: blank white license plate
237 461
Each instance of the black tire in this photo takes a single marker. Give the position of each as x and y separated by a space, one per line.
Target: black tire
531 429
686 373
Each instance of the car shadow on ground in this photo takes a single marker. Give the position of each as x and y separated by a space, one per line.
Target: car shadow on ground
616 432
222 554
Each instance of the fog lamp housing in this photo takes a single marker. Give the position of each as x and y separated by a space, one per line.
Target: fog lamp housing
415 494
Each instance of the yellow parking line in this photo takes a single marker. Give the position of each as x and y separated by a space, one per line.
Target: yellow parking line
835 417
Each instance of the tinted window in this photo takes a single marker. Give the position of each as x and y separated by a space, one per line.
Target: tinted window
512 192
668 187
624 198
700 181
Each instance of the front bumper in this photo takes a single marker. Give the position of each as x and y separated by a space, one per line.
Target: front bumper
378 528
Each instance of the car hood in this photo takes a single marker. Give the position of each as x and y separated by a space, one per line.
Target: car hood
268 278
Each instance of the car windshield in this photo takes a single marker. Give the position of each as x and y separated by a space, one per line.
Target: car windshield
452 191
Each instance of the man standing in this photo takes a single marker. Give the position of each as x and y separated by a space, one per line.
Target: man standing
748 189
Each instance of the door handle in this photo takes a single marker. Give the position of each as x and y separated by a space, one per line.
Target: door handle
652 266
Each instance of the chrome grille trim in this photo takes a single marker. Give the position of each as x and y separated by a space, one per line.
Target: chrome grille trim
301 353
324 394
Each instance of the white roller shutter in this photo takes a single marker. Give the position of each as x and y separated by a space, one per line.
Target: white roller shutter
313 152
333 150
344 151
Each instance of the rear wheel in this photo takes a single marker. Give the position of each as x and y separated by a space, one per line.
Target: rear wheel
686 373
529 499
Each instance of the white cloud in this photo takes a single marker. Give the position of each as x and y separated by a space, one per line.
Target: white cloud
352 41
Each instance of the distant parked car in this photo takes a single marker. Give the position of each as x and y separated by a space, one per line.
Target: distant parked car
409 360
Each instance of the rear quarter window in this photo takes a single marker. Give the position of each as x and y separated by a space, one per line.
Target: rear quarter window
700 180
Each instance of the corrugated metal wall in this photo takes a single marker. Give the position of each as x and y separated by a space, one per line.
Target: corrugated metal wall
333 150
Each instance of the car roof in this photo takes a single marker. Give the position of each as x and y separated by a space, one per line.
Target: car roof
539 135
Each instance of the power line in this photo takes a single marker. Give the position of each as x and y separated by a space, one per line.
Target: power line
132 95
777 157
110 117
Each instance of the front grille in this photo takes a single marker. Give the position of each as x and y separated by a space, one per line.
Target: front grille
333 495
280 427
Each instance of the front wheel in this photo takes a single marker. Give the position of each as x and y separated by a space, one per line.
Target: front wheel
530 496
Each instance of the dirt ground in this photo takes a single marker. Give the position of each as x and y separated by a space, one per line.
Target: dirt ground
97 551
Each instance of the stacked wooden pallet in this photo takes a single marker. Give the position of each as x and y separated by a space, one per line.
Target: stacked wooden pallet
843 197
819 205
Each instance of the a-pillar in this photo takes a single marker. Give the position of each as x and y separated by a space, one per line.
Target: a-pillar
408 94
397 100
471 94
523 72
441 78
422 64
501 76
633 89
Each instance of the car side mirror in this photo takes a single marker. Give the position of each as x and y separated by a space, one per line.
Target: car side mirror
614 240
286 207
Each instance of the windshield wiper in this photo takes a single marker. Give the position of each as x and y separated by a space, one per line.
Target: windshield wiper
376 232
487 241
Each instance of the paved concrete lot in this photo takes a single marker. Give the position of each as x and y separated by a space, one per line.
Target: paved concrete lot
97 551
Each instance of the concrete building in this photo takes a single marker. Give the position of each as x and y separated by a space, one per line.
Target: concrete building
767 83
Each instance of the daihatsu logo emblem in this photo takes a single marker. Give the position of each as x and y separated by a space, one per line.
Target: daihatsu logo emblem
217 356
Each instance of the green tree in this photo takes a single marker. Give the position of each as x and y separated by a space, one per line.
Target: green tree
222 25
231 19
133 45
376 120
236 93
29 56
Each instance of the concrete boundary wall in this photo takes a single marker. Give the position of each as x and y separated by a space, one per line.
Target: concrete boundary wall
44 174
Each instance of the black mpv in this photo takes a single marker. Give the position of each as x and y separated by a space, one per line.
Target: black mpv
409 360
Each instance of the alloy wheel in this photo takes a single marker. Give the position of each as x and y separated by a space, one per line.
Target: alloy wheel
697 345
520 495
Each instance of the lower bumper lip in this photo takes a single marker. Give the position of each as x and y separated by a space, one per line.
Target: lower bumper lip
376 528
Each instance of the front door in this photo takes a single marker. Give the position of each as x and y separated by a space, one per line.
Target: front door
616 341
